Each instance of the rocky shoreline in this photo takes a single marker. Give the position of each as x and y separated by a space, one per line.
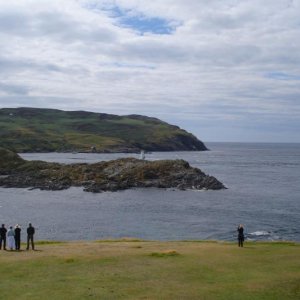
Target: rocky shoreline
113 175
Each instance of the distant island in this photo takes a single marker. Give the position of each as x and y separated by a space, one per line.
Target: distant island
50 130
114 175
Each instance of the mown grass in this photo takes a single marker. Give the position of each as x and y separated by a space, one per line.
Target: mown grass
152 270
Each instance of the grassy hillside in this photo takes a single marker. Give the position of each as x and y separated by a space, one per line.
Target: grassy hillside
152 270
39 130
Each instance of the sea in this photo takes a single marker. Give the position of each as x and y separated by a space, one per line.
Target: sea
263 194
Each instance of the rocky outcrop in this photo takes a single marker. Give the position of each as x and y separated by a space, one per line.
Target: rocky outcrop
113 175
9 160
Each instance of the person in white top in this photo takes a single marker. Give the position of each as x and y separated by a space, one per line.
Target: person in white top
11 238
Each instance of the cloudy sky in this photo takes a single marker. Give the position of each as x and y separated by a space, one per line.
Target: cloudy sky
225 70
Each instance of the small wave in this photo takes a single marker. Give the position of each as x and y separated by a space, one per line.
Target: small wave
260 233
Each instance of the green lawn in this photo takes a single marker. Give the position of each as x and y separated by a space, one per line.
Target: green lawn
152 270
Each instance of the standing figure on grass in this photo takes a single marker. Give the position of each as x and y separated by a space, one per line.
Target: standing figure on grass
30 234
11 238
241 236
3 232
18 237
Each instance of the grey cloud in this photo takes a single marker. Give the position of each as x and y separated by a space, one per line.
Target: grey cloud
39 101
227 54
225 21
281 56
13 89
53 24
211 68
152 51
69 30
14 23
14 65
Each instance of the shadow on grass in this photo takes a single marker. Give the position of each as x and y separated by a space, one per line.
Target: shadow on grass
120 240
48 242
167 253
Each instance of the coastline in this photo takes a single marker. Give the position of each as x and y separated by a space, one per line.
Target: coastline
262 195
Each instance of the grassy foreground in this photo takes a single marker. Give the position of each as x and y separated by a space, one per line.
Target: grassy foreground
152 270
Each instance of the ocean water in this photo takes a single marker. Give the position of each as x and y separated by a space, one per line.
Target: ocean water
263 182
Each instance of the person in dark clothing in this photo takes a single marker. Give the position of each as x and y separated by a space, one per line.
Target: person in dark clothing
30 234
241 235
18 237
3 231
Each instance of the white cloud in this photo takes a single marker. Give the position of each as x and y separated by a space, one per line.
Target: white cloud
215 63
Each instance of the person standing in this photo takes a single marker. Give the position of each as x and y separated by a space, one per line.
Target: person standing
3 231
30 234
18 237
241 236
11 238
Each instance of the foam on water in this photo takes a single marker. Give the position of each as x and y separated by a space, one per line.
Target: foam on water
259 233
263 235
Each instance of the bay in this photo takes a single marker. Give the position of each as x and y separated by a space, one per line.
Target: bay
263 193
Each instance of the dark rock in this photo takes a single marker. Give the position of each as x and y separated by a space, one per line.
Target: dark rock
113 175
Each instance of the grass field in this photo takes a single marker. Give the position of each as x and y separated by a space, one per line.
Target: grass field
133 269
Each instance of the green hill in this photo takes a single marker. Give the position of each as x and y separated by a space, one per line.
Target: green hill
47 130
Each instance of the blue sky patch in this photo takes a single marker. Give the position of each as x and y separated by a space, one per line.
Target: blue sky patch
145 25
139 22
282 76
129 65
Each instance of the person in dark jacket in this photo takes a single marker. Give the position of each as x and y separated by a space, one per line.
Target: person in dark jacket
18 237
30 234
3 231
241 236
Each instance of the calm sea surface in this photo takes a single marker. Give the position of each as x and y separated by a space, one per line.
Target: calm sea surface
263 193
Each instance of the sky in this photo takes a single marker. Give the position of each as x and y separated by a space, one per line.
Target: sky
225 70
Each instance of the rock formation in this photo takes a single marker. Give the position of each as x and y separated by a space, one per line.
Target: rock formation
112 175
